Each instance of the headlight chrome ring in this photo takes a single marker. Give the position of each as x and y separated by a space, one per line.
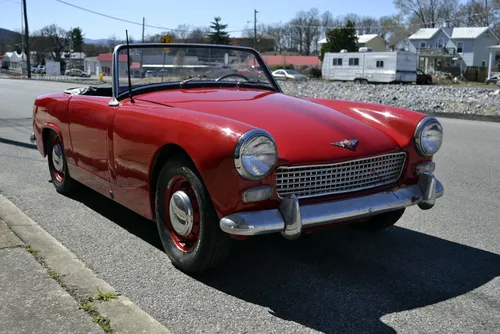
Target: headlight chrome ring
239 157
424 125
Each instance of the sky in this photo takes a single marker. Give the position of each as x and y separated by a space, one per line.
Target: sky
169 14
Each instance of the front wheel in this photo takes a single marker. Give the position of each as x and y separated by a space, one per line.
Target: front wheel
186 220
381 221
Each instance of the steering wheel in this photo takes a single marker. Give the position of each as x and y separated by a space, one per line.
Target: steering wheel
231 75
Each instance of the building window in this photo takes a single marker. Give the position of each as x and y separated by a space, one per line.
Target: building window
440 43
380 63
460 47
353 61
483 63
422 44
337 61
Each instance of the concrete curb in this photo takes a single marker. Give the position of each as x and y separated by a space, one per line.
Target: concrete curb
126 317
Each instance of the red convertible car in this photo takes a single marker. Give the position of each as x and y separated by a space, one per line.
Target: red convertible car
213 157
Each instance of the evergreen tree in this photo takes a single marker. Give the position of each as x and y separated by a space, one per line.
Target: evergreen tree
340 38
76 39
219 35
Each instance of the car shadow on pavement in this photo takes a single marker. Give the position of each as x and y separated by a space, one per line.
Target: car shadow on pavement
335 280
123 217
344 280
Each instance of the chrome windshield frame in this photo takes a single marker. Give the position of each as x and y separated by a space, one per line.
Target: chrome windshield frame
117 96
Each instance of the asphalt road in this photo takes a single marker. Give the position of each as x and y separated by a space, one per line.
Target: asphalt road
436 271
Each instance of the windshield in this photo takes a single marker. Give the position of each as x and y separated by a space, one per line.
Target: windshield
189 64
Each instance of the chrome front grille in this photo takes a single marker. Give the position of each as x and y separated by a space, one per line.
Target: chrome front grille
342 177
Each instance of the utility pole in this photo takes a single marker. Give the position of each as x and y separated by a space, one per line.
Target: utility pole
143 24
255 28
142 49
27 41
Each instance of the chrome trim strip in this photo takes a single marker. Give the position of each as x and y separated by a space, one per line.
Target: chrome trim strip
290 218
321 167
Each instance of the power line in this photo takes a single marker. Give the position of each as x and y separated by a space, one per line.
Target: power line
127 21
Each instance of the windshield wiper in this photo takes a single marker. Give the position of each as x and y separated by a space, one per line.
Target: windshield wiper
191 79
259 83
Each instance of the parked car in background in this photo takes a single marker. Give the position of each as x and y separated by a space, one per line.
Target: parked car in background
40 69
212 160
283 74
76 72
423 78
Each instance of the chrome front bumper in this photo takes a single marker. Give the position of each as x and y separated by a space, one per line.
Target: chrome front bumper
290 217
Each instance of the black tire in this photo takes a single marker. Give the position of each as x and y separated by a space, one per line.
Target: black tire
60 177
210 245
381 221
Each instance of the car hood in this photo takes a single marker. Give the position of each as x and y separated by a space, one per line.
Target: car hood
303 130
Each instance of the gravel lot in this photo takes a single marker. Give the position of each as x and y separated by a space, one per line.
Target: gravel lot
427 99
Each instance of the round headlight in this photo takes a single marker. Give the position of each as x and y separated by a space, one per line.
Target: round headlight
428 136
255 154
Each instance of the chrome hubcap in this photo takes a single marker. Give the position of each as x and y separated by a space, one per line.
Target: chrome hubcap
57 158
181 213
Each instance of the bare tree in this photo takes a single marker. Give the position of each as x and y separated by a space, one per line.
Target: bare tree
277 31
312 30
56 39
198 35
369 25
478 13
183 31
326 22
430 13
297 31
113 41
394 31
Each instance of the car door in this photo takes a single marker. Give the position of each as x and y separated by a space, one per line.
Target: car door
89 119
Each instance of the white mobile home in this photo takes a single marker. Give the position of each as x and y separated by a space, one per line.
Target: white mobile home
366 66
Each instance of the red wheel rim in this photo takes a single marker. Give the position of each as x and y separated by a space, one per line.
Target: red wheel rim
58 159
185 243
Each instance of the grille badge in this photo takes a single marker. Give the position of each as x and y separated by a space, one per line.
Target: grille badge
350 144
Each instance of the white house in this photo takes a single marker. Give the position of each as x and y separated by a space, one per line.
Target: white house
449 47
14 60
373 41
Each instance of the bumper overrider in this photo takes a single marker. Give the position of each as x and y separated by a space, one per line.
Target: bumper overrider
290 217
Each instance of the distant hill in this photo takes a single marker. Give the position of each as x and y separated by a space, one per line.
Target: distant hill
8 39
7 34
96 41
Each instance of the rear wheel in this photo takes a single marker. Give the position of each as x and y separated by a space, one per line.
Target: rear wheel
58 165
381 221
186 220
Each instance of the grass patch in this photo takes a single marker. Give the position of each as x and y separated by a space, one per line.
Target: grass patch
102 321
31 250
52 274
87 307
104 296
